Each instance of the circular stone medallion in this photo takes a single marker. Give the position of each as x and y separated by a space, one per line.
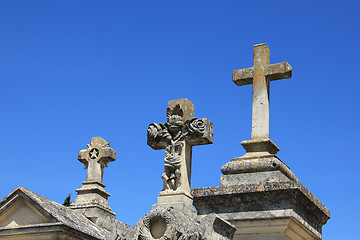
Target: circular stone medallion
157 227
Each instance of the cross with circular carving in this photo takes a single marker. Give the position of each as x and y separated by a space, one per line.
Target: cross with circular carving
94 153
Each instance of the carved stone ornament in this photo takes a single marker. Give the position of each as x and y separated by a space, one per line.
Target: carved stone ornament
170 223
96 157
172 136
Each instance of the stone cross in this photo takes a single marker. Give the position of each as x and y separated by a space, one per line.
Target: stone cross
96 157
260 76
91 200
177 136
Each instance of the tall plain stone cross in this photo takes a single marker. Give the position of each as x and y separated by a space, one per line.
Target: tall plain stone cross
260 76
177 136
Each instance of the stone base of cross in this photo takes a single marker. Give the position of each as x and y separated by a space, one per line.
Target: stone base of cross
181 132
258 148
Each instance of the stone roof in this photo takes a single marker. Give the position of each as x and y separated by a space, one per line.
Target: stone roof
64 215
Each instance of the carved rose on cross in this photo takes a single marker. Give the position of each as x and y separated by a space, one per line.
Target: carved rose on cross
197 126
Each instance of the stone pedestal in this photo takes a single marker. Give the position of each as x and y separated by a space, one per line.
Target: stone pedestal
255 208
92 202
170 196
263 199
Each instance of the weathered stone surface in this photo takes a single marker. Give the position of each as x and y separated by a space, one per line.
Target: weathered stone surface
62 221
253 178
177 136
168 222
259 147
286 228
268 200
272 72
214 227
268 164
96 157
260 76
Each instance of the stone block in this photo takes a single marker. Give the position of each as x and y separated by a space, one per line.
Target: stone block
263 201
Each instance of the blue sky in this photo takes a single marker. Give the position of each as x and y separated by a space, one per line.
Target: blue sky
71 70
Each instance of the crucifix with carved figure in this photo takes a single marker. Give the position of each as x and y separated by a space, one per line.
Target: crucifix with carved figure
177 136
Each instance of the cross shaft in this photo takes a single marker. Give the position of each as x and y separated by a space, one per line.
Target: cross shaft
260 76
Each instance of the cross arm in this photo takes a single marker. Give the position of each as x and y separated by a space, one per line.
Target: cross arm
200 131
278 71
82 157
157 136
272 72
196 131
105 155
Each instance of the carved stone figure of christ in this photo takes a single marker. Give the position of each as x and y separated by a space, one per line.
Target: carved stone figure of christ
177 136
